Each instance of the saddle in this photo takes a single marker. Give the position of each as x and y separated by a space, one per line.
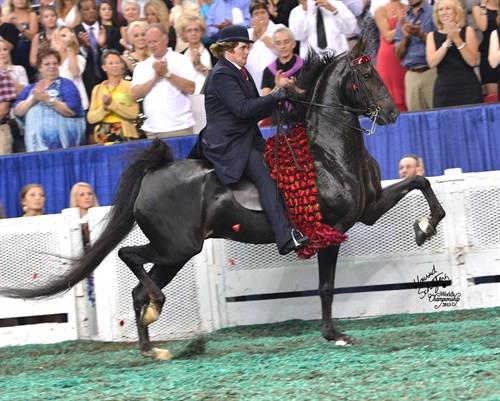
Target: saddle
244 192
246 195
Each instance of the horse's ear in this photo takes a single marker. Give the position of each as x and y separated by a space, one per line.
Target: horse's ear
359 47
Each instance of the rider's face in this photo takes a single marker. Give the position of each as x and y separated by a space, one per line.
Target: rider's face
239 54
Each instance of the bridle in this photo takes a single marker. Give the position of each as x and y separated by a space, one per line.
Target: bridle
359 90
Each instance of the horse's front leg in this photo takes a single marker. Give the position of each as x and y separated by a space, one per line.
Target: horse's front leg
425 227
327 262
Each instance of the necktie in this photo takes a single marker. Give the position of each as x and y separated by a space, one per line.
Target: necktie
320 29
244 73
94 47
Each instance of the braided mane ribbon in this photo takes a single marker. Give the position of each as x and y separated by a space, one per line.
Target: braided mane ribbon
292 167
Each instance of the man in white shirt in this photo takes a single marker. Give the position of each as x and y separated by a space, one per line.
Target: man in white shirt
338 22
164 80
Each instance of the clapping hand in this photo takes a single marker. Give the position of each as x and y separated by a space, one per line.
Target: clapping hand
452 30
160 67
223 24
84 39
106 100
39 93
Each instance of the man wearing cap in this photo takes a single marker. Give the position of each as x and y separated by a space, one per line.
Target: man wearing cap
232 140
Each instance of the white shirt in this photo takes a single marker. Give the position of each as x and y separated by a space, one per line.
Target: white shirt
83 50
165 106
260 55
337 27
77 80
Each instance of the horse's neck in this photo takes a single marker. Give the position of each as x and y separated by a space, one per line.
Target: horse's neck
334 133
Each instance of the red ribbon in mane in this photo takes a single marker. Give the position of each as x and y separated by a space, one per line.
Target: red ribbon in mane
298 187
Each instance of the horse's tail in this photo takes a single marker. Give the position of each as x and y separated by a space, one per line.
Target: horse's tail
120 222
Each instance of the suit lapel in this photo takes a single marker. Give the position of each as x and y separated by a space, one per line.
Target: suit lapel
247 85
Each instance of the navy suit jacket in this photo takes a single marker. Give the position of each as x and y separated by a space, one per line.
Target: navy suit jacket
233 108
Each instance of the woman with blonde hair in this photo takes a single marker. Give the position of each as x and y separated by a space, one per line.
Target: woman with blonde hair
136 33
131 12
83 197
192 28
73 64
453 49
112 107
156 12
32 199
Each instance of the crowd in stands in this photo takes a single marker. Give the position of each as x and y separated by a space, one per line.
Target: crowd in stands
97 73
90 70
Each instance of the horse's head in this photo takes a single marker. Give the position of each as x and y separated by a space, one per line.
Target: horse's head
363 88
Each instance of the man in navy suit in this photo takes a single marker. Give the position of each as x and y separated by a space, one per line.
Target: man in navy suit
232 140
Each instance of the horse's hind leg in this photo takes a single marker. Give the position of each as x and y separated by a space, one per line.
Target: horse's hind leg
424 227
135 257
327 262
161 275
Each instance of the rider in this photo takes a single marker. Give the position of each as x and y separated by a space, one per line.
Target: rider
232 140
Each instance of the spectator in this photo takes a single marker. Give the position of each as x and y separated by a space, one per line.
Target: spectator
7 95
16 72
164 80
72 63
409 43
8 32
55 102
411 165
108 18
485 17
388 65
112 107
223 13
337 21
179 10
131 13
192 28
453 49
83 197
494 51
32 198
287 62
48 21
263 51
18 12
68 13
137 36
157 12
92 38
279 10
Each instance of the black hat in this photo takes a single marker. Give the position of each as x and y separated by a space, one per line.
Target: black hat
234 33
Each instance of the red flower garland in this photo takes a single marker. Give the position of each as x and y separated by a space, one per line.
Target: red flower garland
298 187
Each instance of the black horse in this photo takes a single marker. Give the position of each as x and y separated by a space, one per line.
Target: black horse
180 204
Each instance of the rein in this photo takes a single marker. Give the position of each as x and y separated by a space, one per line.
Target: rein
371 112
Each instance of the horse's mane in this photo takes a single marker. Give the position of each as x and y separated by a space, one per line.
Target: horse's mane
314 65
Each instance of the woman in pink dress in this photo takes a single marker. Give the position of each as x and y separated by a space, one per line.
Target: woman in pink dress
388 65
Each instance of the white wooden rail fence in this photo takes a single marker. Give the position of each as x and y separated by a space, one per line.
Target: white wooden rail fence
230 283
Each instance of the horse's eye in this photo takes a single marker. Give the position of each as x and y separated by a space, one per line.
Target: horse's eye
367 75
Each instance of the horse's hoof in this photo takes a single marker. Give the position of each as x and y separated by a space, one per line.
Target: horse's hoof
150 314
159 354
340 339
423 230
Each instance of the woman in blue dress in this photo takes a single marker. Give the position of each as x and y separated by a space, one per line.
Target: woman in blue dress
51 109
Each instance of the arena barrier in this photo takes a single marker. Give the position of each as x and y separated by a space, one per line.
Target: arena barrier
230 283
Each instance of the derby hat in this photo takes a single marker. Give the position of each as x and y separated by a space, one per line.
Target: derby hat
234 33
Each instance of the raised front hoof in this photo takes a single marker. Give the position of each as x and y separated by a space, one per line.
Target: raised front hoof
423 230
159 354
150 314
339 339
